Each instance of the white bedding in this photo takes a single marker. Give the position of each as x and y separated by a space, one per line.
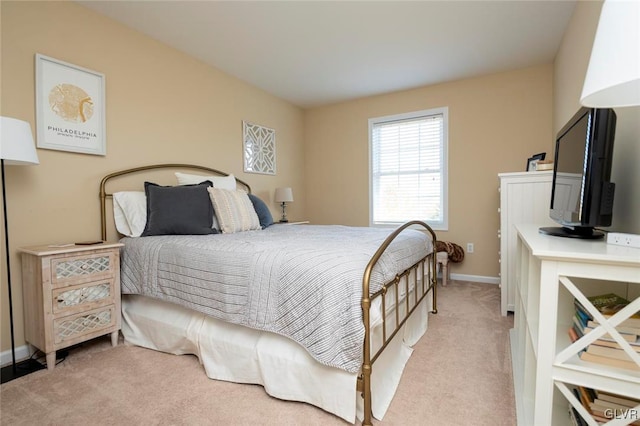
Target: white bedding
286 370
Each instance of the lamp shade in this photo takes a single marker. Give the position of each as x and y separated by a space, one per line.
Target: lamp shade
613 76
16 142
284 195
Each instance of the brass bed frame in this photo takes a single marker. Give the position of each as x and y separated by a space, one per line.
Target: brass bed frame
425 266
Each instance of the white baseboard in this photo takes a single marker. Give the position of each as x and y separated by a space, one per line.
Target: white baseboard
22 353
476 278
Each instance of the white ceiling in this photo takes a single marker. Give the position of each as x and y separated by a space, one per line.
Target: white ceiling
313 53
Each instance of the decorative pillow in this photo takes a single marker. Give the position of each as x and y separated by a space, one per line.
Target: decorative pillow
264 215
222 182
130 212
178 210
234 210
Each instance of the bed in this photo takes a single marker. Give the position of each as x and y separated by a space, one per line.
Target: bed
290 307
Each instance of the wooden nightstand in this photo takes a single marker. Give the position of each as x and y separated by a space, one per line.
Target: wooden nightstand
71 294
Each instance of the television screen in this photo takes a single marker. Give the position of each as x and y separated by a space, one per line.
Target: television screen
582 196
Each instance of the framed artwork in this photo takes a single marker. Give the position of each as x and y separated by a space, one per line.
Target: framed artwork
70 107
259 147
533 161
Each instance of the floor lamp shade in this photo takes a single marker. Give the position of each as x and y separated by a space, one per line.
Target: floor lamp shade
613 76
16 142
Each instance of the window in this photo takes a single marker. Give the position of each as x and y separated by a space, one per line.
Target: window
408 168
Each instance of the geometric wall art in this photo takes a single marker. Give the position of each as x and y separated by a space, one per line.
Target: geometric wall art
259 149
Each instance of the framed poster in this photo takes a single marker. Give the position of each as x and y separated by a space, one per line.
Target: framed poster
70 107
259 146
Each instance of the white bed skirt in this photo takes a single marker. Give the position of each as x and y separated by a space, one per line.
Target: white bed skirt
238 354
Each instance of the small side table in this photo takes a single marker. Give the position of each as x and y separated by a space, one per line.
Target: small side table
442 259
71 294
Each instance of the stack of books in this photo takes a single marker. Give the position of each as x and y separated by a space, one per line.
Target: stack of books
606 350
604 406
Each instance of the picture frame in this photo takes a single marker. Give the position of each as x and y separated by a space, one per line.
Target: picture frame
70 107
533 161
259 148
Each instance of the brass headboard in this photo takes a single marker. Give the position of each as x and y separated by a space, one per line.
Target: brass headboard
120 173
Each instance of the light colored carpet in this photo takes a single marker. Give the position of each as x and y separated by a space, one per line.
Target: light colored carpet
460 373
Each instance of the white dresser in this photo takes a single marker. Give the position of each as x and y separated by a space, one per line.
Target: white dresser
524 198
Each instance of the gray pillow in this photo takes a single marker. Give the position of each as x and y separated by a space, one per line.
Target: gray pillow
178 210
264 215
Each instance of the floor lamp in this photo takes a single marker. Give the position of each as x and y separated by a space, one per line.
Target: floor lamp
16 148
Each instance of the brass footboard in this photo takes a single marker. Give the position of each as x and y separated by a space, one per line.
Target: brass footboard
424 268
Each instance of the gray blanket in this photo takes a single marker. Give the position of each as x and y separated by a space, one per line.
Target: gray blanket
303 282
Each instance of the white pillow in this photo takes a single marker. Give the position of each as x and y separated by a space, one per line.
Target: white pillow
222 182
130 212
234 210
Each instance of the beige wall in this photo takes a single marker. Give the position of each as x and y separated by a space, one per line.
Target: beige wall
570 68
495 123
162 106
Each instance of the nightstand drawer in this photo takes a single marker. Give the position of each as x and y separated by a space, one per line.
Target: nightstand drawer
82 297
88 322
81 268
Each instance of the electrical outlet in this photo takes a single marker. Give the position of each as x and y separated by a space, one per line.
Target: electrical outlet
469 247
620 239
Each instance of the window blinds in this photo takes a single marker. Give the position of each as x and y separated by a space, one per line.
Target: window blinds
407 170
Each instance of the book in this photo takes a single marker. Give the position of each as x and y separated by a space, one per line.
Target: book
605 414
586 397
621 328
582 313
573 334
613 344
612 362
575 416
627 401
616 353
577 322
604 406
629 337
609 304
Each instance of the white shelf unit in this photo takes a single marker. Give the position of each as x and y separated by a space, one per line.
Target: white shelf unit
525 197
551 272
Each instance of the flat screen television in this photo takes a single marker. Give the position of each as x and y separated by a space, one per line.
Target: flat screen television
581 194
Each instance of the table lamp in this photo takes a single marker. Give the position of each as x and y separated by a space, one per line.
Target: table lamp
284 196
